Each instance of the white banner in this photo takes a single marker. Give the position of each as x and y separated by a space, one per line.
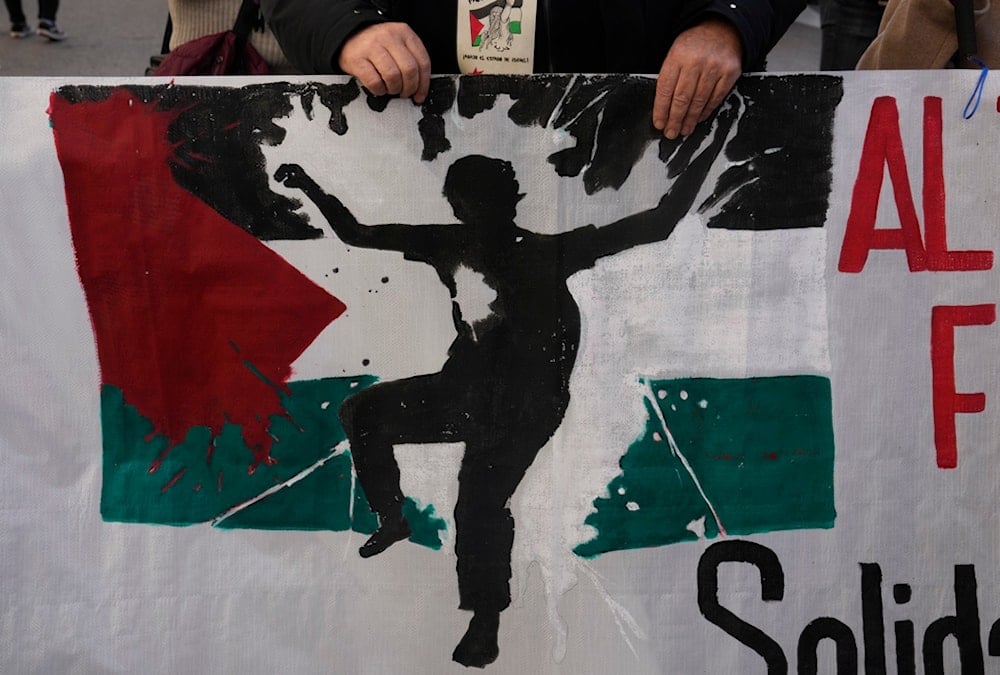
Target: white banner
718 405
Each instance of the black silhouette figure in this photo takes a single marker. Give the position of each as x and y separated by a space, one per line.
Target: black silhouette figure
505 385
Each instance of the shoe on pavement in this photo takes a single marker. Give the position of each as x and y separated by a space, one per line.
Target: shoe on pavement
48 29
20 30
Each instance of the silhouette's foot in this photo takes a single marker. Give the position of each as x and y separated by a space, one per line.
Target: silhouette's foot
478 647
391 531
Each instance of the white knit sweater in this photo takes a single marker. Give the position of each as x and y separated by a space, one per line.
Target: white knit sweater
196 18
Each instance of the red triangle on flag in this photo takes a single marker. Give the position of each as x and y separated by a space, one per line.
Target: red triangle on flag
195 320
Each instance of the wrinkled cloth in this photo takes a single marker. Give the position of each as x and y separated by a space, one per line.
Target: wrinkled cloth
920 34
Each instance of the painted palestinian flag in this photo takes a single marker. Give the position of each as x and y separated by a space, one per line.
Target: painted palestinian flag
209 289
197 324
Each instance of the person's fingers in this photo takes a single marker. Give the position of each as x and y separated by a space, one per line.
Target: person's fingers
722 87
666 82
423 61
409 70
699 70
680 102
388 58
388 69
699 101
367 74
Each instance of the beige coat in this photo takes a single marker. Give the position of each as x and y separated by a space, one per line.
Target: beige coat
196 18
919 34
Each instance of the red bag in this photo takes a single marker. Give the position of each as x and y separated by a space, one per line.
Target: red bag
218 54
226 53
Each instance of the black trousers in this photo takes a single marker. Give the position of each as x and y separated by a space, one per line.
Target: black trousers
46 10
502 435
848 27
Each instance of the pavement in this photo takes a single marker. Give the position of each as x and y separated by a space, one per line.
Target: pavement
105 37
115 39
799 48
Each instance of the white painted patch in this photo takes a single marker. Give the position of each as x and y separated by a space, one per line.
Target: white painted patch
473 296
632 506
428 473
627 625
697 526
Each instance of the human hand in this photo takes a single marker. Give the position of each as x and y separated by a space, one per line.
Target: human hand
388 58
701 67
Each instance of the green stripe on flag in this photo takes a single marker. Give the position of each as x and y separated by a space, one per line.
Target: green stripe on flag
751 456
192 485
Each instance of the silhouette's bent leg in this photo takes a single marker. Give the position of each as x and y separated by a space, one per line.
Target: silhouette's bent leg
376 419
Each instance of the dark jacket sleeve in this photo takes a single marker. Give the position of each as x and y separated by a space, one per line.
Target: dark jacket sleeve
761 23
311 32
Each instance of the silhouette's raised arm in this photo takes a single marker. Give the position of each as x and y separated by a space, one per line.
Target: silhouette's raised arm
393 237
658 223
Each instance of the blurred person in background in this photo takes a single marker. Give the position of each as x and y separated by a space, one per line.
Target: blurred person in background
192 19
47 28
848 27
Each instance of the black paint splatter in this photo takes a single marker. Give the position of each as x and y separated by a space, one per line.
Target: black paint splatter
218 134
440 99
781 153
782 156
